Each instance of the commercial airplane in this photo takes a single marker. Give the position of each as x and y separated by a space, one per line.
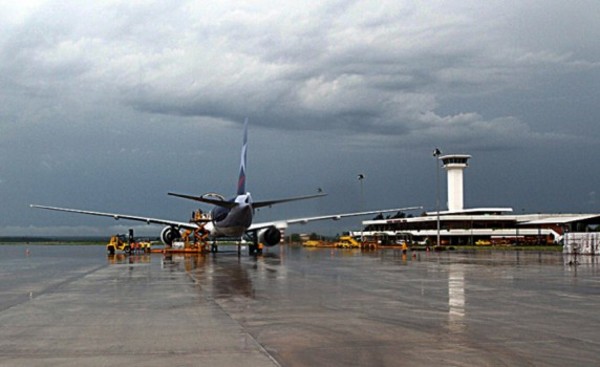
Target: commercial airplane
229 218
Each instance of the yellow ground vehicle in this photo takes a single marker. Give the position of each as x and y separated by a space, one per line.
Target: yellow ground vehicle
118 243
141 247
312 243
347 242
127 245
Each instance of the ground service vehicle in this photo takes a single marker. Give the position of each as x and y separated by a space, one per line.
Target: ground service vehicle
118 243
127 245
347 242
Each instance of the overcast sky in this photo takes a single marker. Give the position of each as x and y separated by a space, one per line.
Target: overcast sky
109 105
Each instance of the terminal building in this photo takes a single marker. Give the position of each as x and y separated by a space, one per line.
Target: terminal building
474 226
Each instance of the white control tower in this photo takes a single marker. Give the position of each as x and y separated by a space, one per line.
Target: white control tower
455 165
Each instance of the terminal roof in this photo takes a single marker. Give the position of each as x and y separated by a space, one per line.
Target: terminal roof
473 211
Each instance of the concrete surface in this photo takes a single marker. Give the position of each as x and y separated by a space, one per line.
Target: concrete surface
303 307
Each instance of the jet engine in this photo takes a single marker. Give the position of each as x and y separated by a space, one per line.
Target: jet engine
269 236
169 234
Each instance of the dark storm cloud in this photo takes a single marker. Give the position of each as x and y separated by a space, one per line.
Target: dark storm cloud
354 73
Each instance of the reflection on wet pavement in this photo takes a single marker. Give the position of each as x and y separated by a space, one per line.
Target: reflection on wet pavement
340 307
299 307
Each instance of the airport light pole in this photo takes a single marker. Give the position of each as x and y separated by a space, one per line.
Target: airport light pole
436 154
361 177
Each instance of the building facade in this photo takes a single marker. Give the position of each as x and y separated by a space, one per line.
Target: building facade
476 226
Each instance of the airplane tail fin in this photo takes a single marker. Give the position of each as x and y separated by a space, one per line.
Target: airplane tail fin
241 189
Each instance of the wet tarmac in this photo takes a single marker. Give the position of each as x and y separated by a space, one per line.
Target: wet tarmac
71 306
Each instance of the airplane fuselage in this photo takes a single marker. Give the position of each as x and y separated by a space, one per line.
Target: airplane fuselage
235 221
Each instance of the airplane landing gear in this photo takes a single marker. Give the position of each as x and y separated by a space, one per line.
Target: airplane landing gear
254 248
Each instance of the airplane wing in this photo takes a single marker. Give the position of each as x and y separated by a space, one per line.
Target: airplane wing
285 223
261 204
204 199
121 216
231 204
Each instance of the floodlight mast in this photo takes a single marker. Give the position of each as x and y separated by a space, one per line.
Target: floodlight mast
436 154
